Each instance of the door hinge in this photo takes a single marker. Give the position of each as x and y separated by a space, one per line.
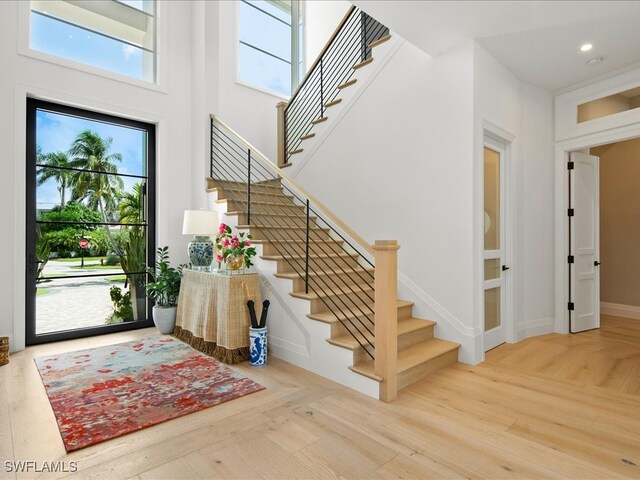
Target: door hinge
571 306
570 165
571 212
570 259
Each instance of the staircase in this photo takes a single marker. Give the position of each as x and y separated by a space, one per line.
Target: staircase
349 285
330 80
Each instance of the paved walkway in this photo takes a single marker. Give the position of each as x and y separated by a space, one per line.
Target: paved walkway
73 303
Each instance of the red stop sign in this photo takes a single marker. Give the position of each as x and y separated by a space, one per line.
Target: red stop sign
83 243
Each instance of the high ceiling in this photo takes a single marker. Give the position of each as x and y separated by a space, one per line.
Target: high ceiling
539 41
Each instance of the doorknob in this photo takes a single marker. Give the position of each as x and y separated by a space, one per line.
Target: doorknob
504 268
596 263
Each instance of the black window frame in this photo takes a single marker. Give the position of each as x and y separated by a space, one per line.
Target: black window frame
33 105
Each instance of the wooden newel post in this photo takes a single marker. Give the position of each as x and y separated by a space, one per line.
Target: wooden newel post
281 134
386 317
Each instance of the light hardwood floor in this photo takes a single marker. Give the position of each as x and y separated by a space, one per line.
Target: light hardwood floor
555 406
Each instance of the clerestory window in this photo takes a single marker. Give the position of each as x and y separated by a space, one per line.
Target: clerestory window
271 44
114 35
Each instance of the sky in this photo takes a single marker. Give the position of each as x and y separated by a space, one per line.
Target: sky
55 132
74 43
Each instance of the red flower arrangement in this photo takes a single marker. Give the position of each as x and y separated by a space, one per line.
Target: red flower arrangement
229 244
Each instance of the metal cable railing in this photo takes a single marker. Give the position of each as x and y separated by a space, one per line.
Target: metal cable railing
331 265
348 47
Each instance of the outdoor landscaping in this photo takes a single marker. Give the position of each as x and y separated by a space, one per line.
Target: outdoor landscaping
94 230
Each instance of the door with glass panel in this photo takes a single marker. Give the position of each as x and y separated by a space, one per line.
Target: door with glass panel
495 267
90 222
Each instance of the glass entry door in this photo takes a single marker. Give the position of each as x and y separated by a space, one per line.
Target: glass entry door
90 222
494 248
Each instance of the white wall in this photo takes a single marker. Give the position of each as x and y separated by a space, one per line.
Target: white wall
321 19
170 109
526 112
399 166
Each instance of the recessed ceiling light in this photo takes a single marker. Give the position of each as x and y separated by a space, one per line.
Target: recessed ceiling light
586 47
595 61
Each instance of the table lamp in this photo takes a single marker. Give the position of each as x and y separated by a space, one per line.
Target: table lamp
202 224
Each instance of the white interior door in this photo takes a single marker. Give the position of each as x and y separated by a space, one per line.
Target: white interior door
584 241
495 268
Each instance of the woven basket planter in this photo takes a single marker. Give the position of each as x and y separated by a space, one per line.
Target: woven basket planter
4 350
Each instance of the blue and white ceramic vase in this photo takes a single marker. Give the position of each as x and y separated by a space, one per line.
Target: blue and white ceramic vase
258 346
201 253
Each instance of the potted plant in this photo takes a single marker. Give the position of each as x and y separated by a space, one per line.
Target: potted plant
164 291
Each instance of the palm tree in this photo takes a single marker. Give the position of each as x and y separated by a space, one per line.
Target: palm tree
53 166
99 185
130 206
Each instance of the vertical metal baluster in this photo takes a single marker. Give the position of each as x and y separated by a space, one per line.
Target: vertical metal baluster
306 259
363 19
286 145
211 162
321 90
249 187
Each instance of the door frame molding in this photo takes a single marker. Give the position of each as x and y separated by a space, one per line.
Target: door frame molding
561 240
22 92
492 135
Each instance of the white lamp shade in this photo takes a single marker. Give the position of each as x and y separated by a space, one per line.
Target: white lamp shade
200 222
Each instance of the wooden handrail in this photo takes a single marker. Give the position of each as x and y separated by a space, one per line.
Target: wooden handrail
325 211
322 52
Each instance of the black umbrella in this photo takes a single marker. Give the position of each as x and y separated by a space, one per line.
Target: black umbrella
265 309
251 306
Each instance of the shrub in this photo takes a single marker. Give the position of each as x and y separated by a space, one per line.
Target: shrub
72 212
112 260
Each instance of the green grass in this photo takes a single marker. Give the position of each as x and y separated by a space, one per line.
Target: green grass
96 266
117 279
42 291
77 259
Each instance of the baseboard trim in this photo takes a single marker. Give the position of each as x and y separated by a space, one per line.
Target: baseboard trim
534 328
620 310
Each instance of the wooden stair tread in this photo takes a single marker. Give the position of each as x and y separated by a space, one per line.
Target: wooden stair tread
364 63
284 165
347 84
271 214
328 317
332 103
319 120
311 240
320 273
297 150
367 373
352 289
405 326
277 192
380 41
258 202
308 136
412 356
312 256
283 227
236 185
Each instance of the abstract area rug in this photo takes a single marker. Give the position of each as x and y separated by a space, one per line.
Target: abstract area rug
102 393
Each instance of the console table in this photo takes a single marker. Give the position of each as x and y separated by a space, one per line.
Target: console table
212 313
